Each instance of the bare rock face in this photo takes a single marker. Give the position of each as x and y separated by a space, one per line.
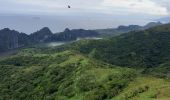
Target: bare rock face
41 35
13 41
69 35
10 39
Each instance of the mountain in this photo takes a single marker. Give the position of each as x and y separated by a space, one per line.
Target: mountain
165 19
152 24
124 29
128 28
41 35
11 39
70 35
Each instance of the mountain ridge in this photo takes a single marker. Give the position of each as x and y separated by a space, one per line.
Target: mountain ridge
124 29
11 39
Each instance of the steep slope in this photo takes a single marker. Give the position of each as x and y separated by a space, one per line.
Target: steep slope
41 35
70 35
45 35
10 39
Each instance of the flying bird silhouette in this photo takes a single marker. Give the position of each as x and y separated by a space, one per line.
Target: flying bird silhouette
69 6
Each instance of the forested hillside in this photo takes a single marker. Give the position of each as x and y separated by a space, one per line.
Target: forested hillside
148 48
60 76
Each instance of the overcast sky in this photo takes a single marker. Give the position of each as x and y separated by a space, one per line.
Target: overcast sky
87 14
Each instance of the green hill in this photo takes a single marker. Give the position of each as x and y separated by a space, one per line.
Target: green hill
148 48
68 75
60 76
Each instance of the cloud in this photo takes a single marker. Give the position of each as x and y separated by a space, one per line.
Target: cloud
164 3
149 7
137 6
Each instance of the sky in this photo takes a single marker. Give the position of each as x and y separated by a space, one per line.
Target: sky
30 15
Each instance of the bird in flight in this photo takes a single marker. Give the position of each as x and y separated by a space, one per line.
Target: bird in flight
69 6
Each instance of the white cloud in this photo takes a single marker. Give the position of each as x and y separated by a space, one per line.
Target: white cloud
136 6
149 7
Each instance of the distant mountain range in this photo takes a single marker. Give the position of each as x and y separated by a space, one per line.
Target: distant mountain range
11 39
165 19
124 29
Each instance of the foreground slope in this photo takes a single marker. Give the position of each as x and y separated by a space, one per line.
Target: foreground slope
61 76
146 88
46 74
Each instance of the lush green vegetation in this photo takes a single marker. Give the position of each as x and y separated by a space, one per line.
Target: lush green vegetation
37 74
63 75
133 66
146 88
149 48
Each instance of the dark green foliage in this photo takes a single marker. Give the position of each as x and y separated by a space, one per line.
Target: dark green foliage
66 75
113 85
136 92
148 48
162 71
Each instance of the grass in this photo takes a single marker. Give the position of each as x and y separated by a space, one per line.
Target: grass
69 75
146 88
60 75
